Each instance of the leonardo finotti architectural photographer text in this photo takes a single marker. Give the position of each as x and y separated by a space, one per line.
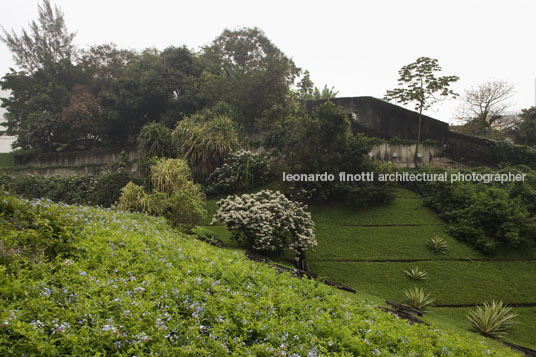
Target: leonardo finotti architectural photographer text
405 177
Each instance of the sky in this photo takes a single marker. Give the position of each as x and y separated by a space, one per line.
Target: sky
355 46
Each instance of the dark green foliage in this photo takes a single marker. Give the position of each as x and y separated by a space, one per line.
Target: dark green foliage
487 216
242 171
525 131
509 154
154 141
107 188
324 142
102 191
30 230
245 69
492 218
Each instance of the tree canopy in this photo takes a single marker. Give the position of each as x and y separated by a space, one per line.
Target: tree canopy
46 42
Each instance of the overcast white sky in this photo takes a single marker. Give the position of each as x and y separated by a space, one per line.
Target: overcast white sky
355 46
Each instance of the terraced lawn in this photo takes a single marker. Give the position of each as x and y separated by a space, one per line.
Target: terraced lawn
369 249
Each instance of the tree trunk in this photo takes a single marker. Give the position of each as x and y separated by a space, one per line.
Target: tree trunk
301 263
418 138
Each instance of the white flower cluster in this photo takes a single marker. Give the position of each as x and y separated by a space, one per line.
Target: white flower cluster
267 221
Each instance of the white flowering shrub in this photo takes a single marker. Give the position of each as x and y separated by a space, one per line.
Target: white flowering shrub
242 171
267 221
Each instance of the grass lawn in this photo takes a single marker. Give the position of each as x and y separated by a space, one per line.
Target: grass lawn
449 282
398 231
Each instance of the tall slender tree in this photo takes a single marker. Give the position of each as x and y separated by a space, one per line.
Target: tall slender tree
420 85
47 41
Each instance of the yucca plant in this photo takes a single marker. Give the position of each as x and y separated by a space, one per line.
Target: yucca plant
437 245
416 274
418 299
492 319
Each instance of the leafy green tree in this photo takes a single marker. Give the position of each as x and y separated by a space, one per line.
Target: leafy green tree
245 69
525 131
325 93
46 42
36 102
420 85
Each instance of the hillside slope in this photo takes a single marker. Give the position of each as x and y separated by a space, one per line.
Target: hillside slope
128 284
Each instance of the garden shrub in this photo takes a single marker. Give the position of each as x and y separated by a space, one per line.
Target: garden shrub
491 218
486 216
242 171
102 191
154 140
174 194
106 189
204 140
30 230
267 221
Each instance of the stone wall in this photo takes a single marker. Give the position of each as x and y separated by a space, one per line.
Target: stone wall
76 163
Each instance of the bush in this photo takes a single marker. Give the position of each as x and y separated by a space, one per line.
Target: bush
492 319
491 218
107 188
174 194
204 140
268 222
486 216
154 140
242 171
31 229
102 191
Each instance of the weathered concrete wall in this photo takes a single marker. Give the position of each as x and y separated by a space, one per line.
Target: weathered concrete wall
469 150
78 163
375 117
78 158
403 155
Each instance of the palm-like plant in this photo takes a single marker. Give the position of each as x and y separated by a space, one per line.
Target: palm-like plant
204 141
416 274
491 319
437 245
418 299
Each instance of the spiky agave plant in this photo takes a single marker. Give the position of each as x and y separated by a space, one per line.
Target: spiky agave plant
418 298
416 274
492 319
437 245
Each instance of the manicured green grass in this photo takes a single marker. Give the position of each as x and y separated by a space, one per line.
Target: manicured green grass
6 160
449 282
345 242
400 211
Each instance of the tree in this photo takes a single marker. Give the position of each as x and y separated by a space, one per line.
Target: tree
526 128
48 40
419 85
325 93
486 104
245 69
